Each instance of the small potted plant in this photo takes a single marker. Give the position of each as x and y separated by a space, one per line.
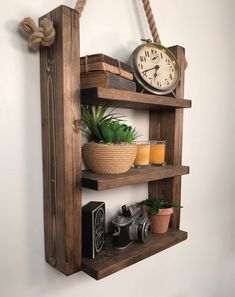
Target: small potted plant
160 212
111 148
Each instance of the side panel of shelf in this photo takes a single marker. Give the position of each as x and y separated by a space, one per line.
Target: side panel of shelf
171 123
60 101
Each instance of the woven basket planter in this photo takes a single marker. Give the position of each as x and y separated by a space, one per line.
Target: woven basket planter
109 158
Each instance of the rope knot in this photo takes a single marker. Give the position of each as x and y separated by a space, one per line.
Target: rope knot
38 36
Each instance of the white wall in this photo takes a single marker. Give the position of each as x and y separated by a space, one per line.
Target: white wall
203 265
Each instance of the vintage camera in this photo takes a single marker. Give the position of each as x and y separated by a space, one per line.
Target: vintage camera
132 225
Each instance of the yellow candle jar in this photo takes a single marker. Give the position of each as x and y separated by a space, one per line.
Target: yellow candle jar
157 153
143 154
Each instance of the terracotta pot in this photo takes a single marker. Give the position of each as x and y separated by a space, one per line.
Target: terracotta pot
160 221
109 158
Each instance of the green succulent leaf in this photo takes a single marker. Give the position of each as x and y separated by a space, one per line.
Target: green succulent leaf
158 203
104 126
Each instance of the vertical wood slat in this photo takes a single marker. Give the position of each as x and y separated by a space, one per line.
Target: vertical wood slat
60 104
171 123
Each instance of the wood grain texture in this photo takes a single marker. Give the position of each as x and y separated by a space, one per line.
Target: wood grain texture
101 182
60 101
106 80
126 99
96 58
111 260
171 124
161 188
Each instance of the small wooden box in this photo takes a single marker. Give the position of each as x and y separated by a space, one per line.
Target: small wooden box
106 80
101 62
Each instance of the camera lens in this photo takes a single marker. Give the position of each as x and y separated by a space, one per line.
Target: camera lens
144 228
147 230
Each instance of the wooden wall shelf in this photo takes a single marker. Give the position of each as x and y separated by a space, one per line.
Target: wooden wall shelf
62 174
101 182
126 99
111 260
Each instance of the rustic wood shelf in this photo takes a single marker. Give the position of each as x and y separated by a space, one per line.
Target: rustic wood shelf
111 260
126 99
101 182
62 175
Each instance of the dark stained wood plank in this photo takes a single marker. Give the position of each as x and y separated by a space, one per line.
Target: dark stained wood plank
161 188
111 260
106 80
179 53
101 58
171 124
126 99
101 182
60 101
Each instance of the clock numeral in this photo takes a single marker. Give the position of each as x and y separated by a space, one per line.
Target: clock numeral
159 84
140 66
146 54
167 82
145 74
142 59
171 77
168 61
161 56
153 51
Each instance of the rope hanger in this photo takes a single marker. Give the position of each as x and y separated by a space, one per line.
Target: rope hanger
44 35
80 4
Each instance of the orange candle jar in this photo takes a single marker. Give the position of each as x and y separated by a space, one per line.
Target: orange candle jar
143 154
157 153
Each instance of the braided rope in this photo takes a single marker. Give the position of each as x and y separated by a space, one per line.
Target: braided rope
38 36
45 34
151 21
79 6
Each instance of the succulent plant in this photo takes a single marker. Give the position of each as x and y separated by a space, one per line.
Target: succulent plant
158 203
106 127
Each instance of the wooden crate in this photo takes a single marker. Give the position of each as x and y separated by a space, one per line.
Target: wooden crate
101 62
106 80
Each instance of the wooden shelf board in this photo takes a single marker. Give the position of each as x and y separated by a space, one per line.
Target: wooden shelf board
127 99
101 182
111 260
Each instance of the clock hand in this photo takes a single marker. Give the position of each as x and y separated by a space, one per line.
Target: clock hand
156 57
155 67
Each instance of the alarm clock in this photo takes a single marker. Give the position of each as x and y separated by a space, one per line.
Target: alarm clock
155 68
93 228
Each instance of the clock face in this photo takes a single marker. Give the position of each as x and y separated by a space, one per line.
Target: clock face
99 229
156 68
